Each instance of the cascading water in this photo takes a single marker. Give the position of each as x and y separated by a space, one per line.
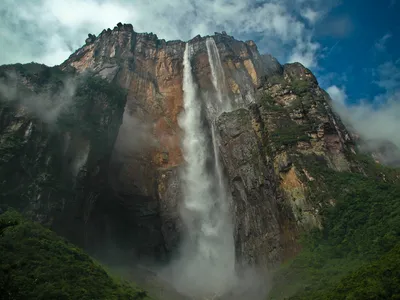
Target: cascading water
216 108
218 77
207 264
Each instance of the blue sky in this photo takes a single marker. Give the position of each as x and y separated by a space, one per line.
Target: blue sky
352 46
370 47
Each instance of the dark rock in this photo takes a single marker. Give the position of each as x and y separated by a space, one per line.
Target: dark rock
297 71
128 27
271 65
91 39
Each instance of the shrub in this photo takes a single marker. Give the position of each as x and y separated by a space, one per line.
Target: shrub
300 87
37 264
289 133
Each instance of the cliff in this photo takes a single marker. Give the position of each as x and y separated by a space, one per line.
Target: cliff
285 119
267 149
57 134
144 168
103 153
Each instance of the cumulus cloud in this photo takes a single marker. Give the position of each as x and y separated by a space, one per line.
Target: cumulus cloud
311 15
377 119
48 31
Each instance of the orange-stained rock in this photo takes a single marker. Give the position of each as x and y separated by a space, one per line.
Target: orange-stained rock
147 153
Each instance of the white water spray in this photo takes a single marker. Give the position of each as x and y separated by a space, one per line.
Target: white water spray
218 78
207 265
215 109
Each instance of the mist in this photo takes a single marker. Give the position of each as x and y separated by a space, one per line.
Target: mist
376 123
134 136
45 105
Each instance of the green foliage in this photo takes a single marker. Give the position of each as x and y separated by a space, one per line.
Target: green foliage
379 279
95 102
36 169
40 77
37 264
270 104
40 74
376 170
10 146
289 133
300 87
276 79
363 227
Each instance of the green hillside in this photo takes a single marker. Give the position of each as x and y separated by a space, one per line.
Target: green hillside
38 264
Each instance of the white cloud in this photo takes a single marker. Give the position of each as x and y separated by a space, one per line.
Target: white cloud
304 52
374 120
48 30
337 94
381 43
45 105
381 122
311 15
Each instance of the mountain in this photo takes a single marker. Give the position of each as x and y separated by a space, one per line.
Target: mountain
97 150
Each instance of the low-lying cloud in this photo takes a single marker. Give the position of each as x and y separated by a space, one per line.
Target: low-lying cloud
376 122
46 105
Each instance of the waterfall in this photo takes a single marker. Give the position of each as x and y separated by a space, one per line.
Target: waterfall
207 262
215 109
218 76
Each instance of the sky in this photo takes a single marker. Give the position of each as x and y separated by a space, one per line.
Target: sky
353 47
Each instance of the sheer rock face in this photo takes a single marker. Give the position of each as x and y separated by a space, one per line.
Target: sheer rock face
57 132
267 149
284 122
146 163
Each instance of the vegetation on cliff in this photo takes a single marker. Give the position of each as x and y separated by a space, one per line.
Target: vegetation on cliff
354 255
286 132
357 254
46 122
37 264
